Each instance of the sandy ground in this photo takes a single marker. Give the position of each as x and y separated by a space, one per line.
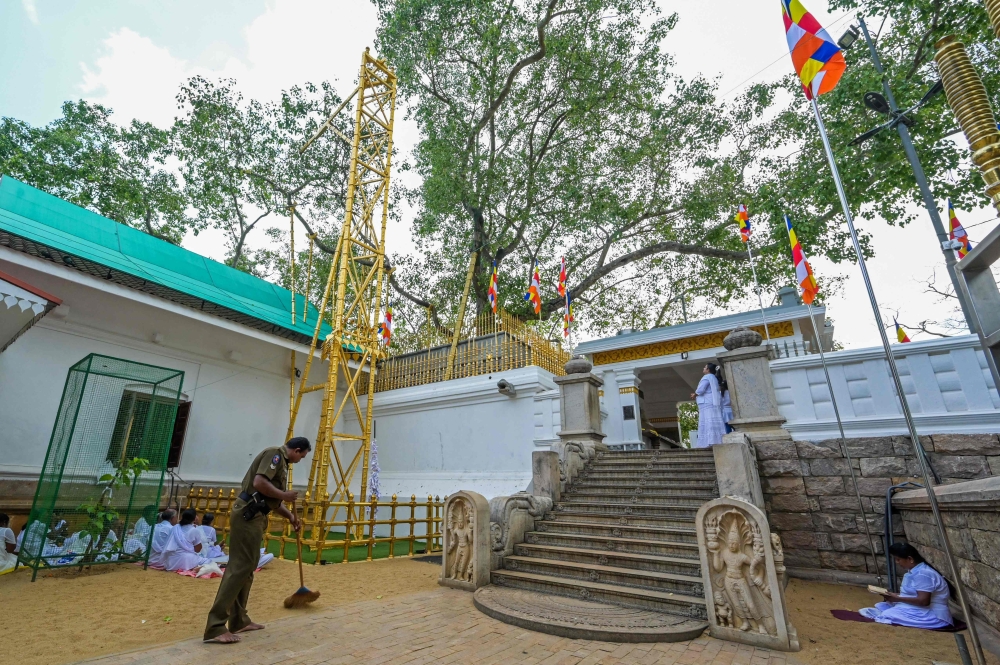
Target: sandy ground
67 616
828 641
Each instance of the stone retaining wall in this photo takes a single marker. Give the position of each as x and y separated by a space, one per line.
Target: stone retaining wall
971 517
810 500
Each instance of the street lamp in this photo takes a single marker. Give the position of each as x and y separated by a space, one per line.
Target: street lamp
901 121
847 39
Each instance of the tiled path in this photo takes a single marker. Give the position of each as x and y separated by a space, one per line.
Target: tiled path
438 627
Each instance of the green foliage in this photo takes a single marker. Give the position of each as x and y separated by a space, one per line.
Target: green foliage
687 417
118 172
101 517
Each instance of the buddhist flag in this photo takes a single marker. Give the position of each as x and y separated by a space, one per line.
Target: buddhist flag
803 272
533 295
385 327
817 59
900 333
492 294
744 221
958 233
567 315
562 278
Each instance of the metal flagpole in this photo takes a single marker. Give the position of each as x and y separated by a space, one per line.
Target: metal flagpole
914 437
843 442
759 298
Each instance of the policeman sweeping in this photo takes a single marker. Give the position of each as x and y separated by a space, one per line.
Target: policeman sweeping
262 491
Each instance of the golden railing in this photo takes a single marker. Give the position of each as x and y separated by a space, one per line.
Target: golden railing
487 344
218 501
359 525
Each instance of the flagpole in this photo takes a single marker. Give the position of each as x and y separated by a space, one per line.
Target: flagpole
759 298
843 442
901 395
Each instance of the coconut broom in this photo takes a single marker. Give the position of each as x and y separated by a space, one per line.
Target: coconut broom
303 596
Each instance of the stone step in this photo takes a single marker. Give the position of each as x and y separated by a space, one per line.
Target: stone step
653 475
626 494
696 452
668 510
645 483
664 462
641 500
680 468
660 564
637 532
671 548
621 520
643 599
689 585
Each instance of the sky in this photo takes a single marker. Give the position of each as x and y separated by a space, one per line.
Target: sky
132 56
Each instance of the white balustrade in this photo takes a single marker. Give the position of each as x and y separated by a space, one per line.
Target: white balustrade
947 384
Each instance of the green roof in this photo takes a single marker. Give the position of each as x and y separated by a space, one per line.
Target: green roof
49 228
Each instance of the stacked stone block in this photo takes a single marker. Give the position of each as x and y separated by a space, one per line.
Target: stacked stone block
810 500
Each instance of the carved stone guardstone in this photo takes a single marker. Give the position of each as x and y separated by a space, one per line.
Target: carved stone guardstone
742 566
465 563
580 435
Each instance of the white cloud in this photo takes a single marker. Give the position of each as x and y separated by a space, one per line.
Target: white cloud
31 9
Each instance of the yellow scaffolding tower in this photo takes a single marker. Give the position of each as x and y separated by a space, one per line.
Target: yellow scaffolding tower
353 347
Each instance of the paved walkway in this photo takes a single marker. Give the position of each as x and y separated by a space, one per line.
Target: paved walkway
440 627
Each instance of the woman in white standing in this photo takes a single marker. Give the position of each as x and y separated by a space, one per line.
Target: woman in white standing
709 399
727 405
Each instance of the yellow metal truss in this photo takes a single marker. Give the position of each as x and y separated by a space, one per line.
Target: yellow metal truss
353 347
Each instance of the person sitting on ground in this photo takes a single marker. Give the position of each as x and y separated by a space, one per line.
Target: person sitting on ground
922 601
210 537
137 540
183 550
7 544
161 536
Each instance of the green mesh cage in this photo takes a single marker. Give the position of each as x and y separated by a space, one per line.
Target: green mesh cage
99 491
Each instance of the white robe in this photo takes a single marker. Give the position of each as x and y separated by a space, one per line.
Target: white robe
727 407
179 553
209 547
7 559
711 428
136 543
34 539
161 536
936 615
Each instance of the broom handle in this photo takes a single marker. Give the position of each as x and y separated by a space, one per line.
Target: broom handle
298 542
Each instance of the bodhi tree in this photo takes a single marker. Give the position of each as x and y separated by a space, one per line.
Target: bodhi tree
116 171
555 129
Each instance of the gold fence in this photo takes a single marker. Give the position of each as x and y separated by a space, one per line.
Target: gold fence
219 502
359 524
487 344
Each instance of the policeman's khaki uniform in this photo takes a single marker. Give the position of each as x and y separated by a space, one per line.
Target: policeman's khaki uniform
245 536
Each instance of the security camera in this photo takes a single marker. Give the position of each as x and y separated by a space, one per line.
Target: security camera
505 387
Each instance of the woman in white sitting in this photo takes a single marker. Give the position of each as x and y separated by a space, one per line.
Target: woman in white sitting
7 544
183 550
922 601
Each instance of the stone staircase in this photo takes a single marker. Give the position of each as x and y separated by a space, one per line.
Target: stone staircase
622 537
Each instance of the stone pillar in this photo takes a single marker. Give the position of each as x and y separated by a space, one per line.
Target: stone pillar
465 562
755 416
580 435
545 474
628 396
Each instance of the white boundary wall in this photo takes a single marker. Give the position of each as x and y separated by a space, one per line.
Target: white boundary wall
462 434
947 383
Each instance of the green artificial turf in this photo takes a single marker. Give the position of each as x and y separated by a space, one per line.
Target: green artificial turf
334 552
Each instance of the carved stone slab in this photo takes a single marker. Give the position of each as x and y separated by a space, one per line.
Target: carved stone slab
465 562
742 565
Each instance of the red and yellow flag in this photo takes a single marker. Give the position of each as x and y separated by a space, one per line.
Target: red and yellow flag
958 233
562 278
534 295
743 218
492 293
803 271
900 333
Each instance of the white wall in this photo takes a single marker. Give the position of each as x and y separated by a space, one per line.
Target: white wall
462 434
236 378
947 383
